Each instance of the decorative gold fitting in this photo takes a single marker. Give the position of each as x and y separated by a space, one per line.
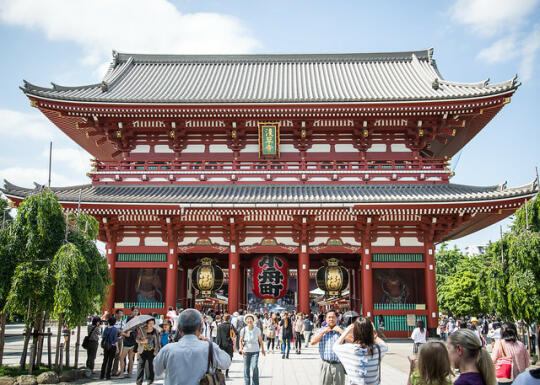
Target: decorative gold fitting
366 133
171 133
77 125
463 124
303 133
118 133
481 111
270 300
233 134
453 132
507 100
33 103
500 211
86 133
59 114
12 205
420 132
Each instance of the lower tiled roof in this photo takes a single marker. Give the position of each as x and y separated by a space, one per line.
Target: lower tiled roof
277 193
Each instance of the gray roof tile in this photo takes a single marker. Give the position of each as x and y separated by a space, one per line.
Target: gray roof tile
278 193
398 76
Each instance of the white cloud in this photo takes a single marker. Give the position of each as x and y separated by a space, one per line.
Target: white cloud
148 26
26 176
77 160
29 126
501 51
489 17
531 45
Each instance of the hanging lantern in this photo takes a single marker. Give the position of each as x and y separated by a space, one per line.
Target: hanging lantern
207 277
332 278
270 277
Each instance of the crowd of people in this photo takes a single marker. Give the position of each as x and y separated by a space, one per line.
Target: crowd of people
187 345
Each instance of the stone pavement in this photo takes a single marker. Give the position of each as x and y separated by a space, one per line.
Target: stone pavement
302 369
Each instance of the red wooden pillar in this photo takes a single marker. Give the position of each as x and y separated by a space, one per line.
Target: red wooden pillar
303 279
242 288
358 282
110 249
367 281
172 273
234 272
183 286
431 286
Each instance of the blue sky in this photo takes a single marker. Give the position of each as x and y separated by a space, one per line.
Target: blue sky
69 42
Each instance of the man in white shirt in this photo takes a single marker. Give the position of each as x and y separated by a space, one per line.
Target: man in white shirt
185 362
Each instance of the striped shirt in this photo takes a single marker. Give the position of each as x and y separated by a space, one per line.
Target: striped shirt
326 346
361 368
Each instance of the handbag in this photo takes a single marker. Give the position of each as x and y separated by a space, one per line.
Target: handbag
503 365
216 378
86 340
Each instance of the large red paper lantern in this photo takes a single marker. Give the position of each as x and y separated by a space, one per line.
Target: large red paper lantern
270 277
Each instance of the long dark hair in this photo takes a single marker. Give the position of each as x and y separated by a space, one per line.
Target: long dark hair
420 324
363 334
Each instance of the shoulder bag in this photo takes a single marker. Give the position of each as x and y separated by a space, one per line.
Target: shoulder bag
503 365
216 378
86 340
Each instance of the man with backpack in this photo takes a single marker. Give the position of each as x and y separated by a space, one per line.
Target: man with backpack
308 330
226 336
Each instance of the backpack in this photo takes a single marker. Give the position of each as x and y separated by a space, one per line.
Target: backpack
240 324
106 339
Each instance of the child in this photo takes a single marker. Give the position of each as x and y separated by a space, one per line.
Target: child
432 367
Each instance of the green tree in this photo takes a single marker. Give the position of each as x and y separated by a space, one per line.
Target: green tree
532 214
459 294
5 213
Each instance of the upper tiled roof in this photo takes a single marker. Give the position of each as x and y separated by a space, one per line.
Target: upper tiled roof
241 194
324 78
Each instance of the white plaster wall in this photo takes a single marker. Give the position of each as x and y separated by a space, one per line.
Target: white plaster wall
287 148
187 241
219 148
320 148
286 241
345 147
218 241
351 241
154 241
251 148
410 241
399 147
251 241
141 148
194 148
318 240
377 147
162 149
385 241
129 241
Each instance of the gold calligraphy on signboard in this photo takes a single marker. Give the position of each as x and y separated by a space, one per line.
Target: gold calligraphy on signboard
269 140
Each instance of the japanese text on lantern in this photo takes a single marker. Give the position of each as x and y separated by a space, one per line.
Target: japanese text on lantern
270 277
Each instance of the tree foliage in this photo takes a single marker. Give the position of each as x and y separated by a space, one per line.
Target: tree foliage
7 265
5 212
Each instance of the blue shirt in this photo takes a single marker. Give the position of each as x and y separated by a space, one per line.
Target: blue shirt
111 333
362 368
326 346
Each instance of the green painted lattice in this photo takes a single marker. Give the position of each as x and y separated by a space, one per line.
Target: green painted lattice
393 257
395 306
398 322
141 257
145 305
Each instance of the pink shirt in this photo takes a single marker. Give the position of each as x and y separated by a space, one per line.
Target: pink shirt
516 350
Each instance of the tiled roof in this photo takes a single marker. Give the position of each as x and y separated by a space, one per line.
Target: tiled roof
363 77
249 194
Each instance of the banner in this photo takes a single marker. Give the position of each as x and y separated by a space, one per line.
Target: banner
269 140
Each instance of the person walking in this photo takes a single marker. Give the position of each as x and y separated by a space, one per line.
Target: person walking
226 336
271 330
362 358
120 322
433 366
149 344
94 331
419 335
286 336
332 371
128 350
109 343
509 346
214 327
166 335
299 328
186 362
308 329
250 344
471 358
